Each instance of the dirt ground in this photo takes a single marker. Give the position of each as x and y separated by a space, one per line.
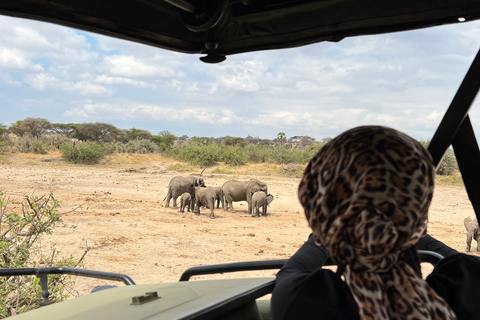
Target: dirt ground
128 229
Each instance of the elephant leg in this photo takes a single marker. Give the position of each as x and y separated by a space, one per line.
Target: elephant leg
230 205
469 240
226 204
212 207
182 206
477 238
198 208
174 202
169 196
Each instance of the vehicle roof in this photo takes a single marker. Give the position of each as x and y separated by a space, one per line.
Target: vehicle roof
234 26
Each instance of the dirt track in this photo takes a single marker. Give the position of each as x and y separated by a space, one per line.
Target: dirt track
129 231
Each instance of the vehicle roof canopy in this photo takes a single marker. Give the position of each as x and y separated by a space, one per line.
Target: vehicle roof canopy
233 26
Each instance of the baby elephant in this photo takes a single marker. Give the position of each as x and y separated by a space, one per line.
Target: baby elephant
473 231
260 199
186 201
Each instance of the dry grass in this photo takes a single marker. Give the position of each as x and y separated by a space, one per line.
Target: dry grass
454 179
158 162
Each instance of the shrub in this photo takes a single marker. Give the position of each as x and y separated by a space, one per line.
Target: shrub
55 140
234 156
84 153
137 146
31 145
202 155
257 153
21 247
448 164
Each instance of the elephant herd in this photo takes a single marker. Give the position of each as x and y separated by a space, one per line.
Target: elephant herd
194 194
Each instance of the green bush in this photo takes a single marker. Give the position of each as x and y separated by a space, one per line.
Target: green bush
448 164
30 145
55 140
233 156
83 153
202 155
21 247
142 146
257 153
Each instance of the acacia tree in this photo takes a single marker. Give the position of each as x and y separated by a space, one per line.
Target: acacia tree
36 127
98 132
64 128
136 134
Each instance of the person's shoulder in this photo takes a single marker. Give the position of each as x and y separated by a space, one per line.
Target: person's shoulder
457 279
321 294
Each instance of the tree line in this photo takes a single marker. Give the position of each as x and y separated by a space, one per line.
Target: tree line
88 143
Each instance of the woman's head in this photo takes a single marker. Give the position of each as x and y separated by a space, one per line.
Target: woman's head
368 190
366 196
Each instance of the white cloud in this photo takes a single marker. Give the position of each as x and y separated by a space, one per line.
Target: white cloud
129 66
241 75
13 58
91 110
90 89
123 81
45 81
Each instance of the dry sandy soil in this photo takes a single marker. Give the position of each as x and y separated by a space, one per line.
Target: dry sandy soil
129 231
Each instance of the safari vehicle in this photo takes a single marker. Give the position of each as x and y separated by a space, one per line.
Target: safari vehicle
214 30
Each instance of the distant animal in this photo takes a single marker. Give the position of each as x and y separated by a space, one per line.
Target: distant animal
186 202
179 185
205 197
473 231
261 200
241 191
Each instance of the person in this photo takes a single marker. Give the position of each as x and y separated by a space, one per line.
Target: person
366 196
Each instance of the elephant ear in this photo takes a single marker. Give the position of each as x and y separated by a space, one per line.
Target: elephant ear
269 198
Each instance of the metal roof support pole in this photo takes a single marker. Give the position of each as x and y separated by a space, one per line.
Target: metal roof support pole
468 157
456 113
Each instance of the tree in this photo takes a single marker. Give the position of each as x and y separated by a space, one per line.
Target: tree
281 138
137 134
164 142
234 141
36 127
3 132
98 132
64 128
164 133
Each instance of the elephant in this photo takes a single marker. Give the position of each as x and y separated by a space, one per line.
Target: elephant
205 197
186 201
218 196
241 191
261 200
473 231
179 185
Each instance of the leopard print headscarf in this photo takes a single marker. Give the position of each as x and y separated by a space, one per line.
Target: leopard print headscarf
366 195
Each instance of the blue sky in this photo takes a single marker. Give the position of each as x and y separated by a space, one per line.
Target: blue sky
402 80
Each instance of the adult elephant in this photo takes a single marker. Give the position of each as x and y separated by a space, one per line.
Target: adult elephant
205 197
178 185
234 190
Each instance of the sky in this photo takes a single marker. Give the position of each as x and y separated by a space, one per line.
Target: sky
402 80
